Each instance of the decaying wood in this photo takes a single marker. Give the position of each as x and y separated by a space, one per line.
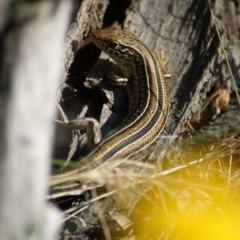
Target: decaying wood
185 32
31 42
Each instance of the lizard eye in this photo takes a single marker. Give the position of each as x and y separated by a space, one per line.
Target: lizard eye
113 44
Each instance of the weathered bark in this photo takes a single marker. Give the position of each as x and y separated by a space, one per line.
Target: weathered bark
184 30
31 42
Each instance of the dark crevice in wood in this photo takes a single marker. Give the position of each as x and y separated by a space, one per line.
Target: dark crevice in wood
116 12
196 69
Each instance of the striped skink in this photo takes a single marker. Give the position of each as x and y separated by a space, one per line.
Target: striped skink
148 97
